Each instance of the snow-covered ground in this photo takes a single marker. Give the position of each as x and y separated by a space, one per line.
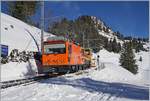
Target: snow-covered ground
15 70
144 66
111 61
19 35
88 86
110 36
112 83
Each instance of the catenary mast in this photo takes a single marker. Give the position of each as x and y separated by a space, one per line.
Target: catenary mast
42 24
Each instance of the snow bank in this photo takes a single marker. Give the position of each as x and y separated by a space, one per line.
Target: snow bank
15 70
113 73
19 35
144 66
108 57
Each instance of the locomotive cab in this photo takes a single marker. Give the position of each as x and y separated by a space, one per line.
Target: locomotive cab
56 48
54 54
61 55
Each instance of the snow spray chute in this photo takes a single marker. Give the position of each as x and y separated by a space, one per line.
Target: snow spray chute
4 50
34 40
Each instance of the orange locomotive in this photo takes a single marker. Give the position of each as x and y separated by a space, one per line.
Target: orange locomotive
61 56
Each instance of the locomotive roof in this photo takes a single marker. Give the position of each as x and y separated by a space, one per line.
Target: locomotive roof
56 38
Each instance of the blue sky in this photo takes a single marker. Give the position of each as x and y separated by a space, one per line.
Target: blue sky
127 17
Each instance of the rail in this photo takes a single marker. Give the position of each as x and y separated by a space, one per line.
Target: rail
26 81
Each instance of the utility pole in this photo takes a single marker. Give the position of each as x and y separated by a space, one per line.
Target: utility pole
83 39
88 44
42 24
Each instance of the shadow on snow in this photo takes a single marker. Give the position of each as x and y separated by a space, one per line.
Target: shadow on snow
115 89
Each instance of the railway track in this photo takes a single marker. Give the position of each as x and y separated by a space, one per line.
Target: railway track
28 81
25 81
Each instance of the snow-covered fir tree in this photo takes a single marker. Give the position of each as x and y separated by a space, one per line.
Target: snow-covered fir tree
127 60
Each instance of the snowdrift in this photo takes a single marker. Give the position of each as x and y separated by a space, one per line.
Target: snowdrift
19 35
113 73
108 57
15 70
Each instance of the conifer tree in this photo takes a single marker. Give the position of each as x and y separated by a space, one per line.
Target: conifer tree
106 43
118 47
22 9
140 59
110 46
127 60
114 45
